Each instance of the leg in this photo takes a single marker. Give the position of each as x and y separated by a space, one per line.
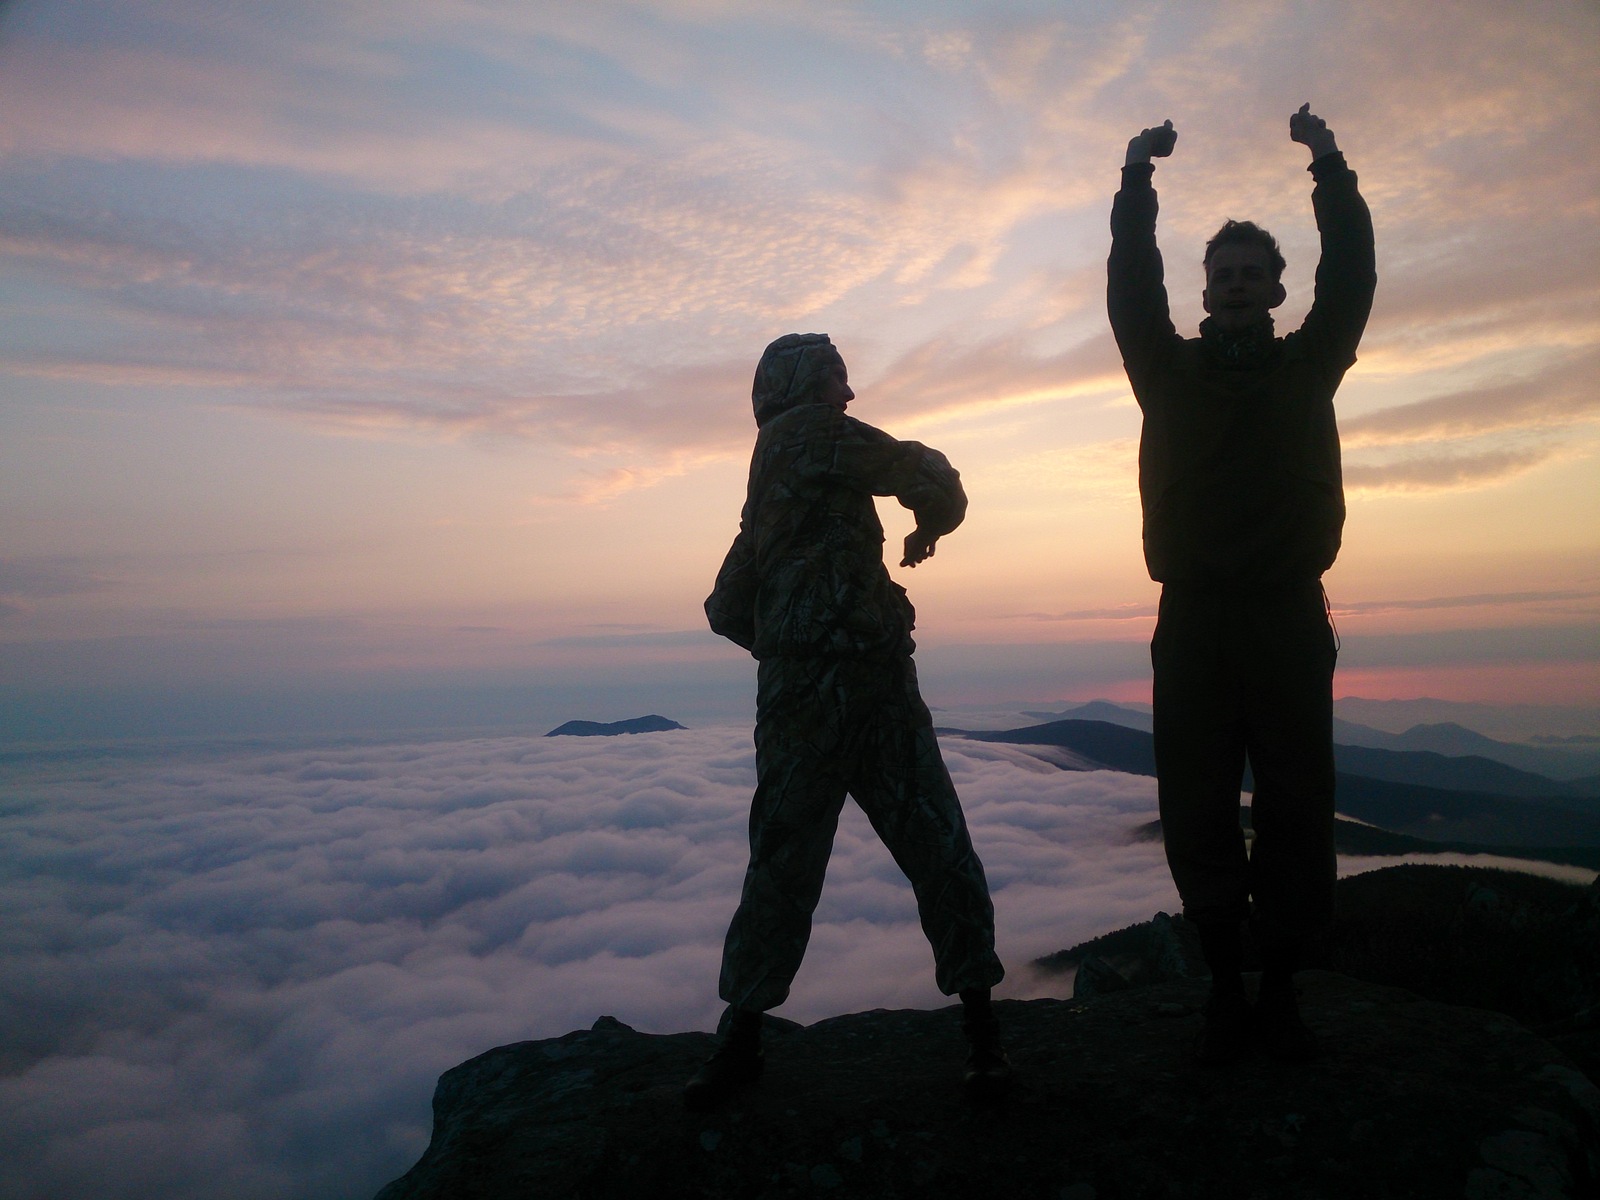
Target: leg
1293 864
1290 705
800 791
793 815
1199 749
736 1063
900 781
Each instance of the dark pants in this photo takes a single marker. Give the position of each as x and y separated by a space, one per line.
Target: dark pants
1247 671
824 728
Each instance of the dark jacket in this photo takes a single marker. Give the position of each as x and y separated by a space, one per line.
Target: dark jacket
805 576
1239 463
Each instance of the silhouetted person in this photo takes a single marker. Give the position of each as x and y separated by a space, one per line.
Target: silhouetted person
804 589
1243 509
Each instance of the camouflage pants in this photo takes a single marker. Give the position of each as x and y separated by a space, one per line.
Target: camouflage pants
825 728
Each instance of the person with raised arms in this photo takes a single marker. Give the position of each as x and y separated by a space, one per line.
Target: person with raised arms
1243 506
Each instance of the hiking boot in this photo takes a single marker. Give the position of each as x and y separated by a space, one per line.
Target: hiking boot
736 1063
1283 1034
1223 1038
988 1074
732 1067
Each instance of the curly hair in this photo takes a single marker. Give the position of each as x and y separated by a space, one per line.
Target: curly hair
1246 233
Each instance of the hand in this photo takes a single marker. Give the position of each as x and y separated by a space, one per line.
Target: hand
919 547
1151 143
1312 131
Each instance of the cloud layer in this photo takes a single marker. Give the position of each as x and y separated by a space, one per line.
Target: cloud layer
239 972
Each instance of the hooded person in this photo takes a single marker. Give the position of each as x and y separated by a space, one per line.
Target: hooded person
838 710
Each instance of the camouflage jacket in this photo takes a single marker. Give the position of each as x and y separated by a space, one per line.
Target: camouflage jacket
805 576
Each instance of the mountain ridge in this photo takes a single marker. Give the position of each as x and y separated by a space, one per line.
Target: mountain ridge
1437 814
1568 759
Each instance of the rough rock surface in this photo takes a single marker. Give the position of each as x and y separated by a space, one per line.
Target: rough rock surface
1522 945
1411 1099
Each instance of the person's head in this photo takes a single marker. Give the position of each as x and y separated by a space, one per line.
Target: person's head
799 368
1244 274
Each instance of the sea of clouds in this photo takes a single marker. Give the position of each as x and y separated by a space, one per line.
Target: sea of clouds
239 971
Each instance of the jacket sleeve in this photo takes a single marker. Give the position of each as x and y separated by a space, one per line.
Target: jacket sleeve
1347 273
919 477
1136 291
731 607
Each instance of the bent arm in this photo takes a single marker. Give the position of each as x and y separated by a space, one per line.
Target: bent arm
938 501
921 479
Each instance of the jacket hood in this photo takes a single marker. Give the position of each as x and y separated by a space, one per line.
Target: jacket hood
790 373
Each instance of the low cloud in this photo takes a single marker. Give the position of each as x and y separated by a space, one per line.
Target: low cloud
1559 396
1482 600
25 582
946 377
49 576
1448 471
1120 612
240 970
263 959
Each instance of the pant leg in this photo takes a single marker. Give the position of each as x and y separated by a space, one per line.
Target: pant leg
900 781
800 790
1200 751
1289 723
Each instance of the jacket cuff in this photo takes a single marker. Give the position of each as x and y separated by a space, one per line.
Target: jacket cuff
1138 174
1327 165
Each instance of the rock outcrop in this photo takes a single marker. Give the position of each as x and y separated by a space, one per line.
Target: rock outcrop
1522 945
1411 1099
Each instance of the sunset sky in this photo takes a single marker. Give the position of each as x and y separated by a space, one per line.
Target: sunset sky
372 345
385 365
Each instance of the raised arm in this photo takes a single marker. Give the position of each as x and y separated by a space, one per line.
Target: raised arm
1136 292
1347 273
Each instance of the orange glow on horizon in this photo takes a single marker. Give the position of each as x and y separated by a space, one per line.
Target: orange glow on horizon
1508 683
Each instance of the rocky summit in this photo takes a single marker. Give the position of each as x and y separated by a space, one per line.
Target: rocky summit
1410 1099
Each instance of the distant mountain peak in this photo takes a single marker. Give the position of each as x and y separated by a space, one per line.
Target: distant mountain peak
653 723
1098 710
